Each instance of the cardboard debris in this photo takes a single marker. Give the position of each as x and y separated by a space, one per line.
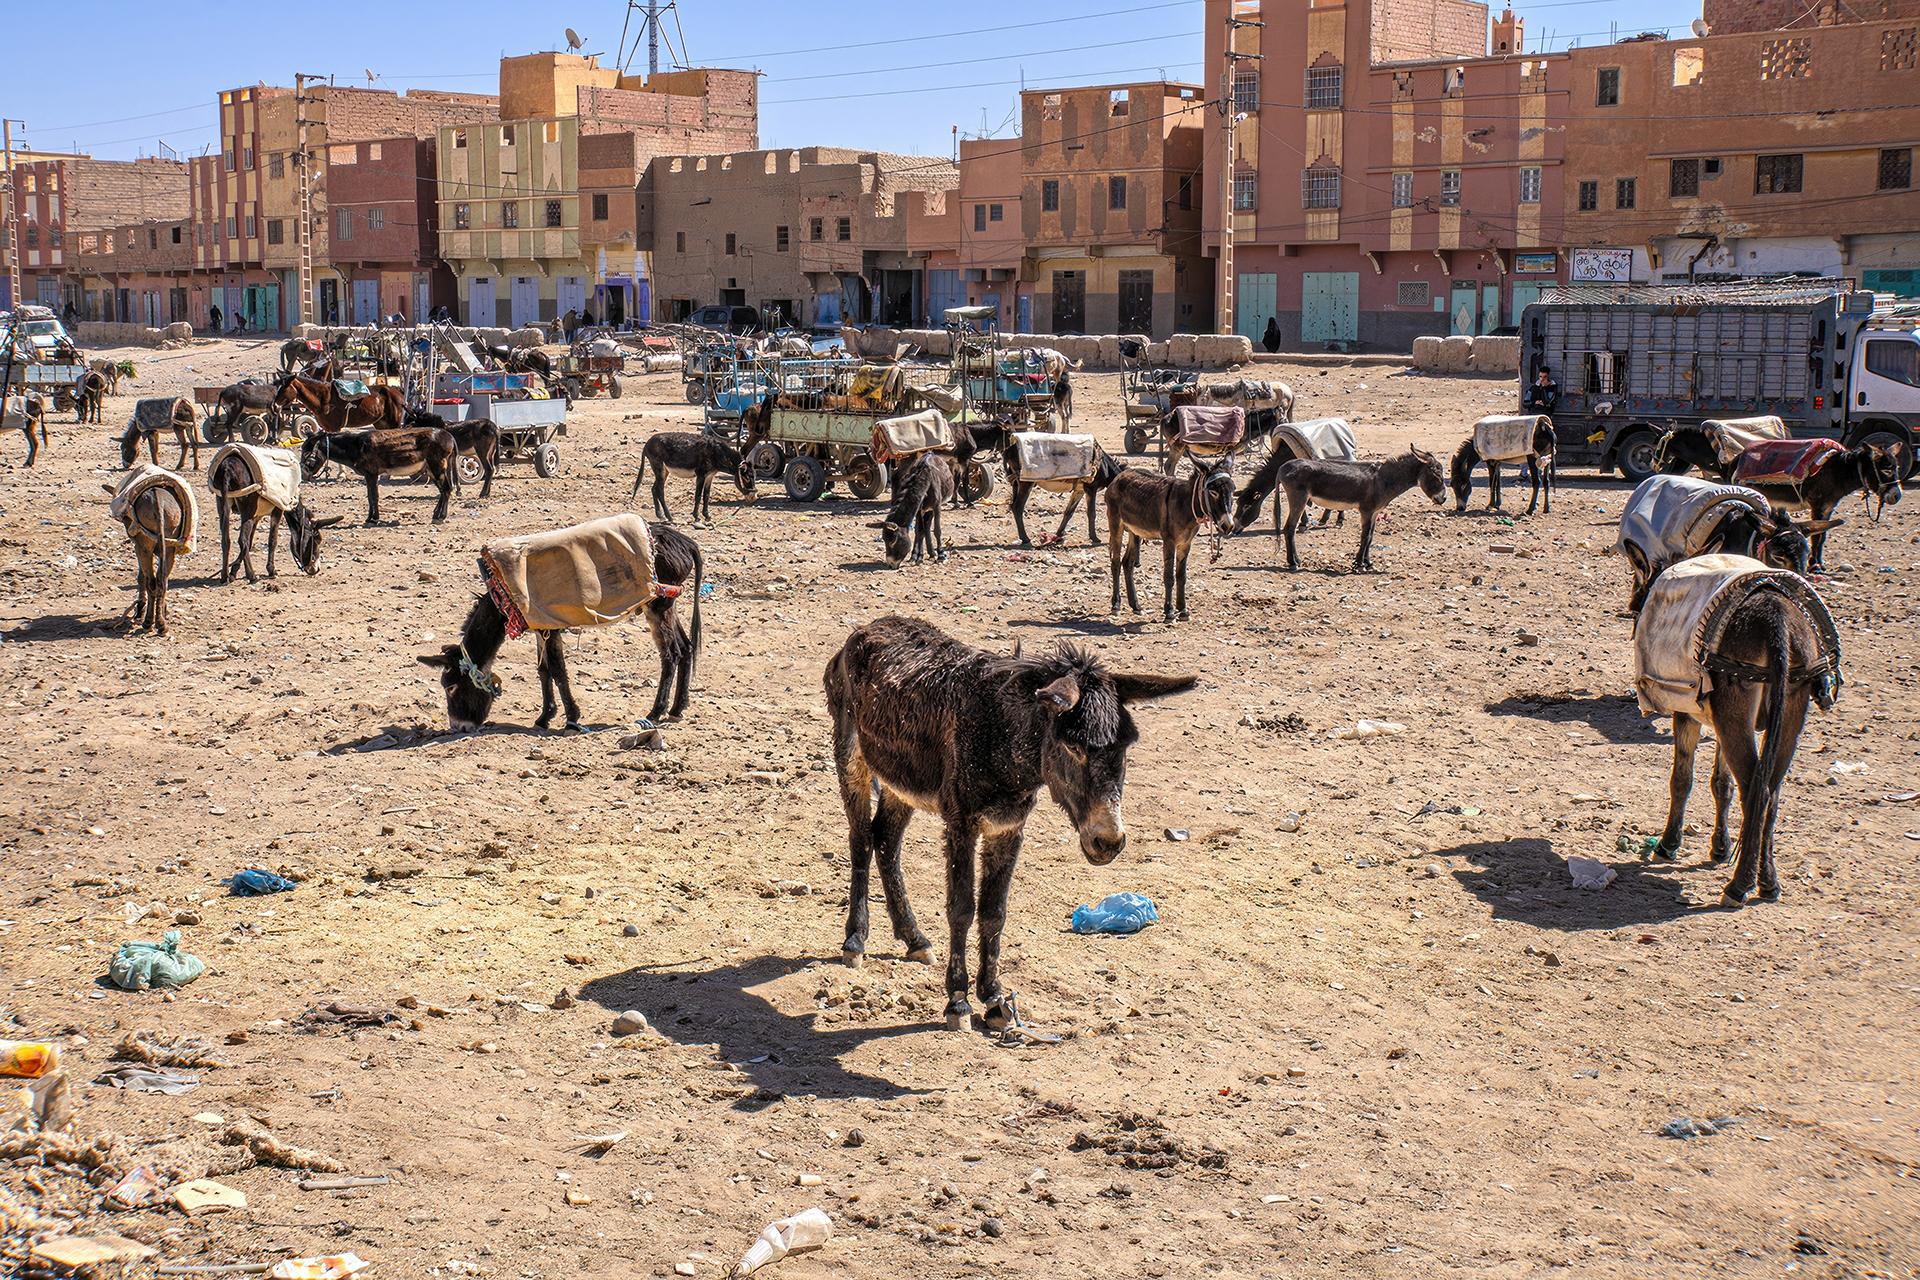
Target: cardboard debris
204 1195
74 1252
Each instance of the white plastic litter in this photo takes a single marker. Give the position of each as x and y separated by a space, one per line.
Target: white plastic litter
1369 729
1588 873
808 1229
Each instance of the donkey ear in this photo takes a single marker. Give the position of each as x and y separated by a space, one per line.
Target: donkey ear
327 522
1016 647
1820 526
1062 695
434 660
1139 687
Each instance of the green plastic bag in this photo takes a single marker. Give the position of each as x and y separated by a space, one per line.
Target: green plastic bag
140 965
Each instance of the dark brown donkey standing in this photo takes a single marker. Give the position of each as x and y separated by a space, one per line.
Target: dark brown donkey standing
396 452
476 438
1105 469
690 453
154 523
1142 505
1867 469
89 393
150 418
913 520
236 495
921 721
1365 487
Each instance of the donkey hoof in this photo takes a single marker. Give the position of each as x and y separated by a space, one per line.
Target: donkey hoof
960 1019
1732 898
1001 1014
1663 853
920 955
543 721
1769 893
851 958
1182 615
573 726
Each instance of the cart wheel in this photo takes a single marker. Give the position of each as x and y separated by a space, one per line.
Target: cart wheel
1139 438
867 478
303 426
767 461
468 469
979 481
546 461
571 389
806 479
613 386
256 429
696 392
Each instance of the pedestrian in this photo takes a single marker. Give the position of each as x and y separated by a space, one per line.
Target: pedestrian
1544 395
214 317
1272 339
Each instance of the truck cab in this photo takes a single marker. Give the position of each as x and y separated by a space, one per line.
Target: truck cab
1883 382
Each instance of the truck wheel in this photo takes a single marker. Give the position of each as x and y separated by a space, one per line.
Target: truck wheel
767 461
806 479
546 461
866 478
1635 455
696 392
1140 437
1886 438
613 386
468 469
979 481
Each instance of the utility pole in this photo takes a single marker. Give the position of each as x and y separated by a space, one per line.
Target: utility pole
12 237
1230 121
303 157
653 38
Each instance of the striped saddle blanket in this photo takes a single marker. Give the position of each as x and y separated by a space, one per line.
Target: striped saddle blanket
1508 438
588 575
1790 462
147 476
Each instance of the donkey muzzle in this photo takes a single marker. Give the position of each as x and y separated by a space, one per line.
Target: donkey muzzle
1102 847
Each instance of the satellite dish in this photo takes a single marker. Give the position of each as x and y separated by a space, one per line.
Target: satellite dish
573 39
1700 27
370 76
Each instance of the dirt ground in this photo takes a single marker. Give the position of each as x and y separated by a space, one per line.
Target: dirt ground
1392 1042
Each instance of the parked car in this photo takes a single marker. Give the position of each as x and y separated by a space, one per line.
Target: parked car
726 319
39 328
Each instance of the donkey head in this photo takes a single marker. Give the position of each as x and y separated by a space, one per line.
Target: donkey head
470 688
1433 481
1464 459
896 538
129 444
1215 496
303 537
1880 472
1083 753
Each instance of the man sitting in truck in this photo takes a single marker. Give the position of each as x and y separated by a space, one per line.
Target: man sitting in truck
1544 395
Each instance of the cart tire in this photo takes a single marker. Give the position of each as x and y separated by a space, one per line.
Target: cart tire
303 426
696 392
613 386
768 460
805 478
979 481
546 461
1635 455
469 470
866 478
1139 438
256 429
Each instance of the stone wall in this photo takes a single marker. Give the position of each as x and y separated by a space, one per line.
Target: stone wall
1461 354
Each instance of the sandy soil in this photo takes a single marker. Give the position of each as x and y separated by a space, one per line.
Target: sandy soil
1393 1042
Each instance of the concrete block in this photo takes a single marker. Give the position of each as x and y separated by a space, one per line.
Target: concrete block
529 336
1218 351
1180 350
1156 353
1426 352
178 331
1496 354
1456 354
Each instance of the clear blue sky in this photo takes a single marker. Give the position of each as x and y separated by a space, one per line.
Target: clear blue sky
838 72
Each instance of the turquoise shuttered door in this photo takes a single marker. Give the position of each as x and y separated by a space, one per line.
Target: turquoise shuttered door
1329 307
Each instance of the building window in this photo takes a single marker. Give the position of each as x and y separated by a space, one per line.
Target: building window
553 213
1787 59
345 221
228 160
33 237
733 245
1116 193
844 229
249 159
233 227
277 165
1897 49
1049 195
1896 169
276 231
1683 179
599 206
780 238
679 242
1403 191
253 229
1529 186
1450 188
1323 88
1414 293
979 217
1624 190
1607 87
1117 102
1246 190
1186 191
462 216
994 213
816 229
1689 66
506 135
1246 91
459 139
1776 175
1589 199
509 214
176 236
376 219
1050 107
550 131
1319 188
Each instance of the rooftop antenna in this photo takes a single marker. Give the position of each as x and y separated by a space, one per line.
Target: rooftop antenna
573 39
371 77
651 12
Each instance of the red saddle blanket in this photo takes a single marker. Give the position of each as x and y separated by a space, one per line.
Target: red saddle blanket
1782 461
1210 427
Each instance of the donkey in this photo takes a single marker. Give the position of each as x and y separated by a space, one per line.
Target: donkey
1767 663
477 438
1142 505
1264 480
138 431
380 407
922 721
236 495
1540 462
297 353
1365 487
29 414
466 669
400 451
89 393
1670 518
1105 469
1868 469
112 371
1687 446
913 521
690 453
155 523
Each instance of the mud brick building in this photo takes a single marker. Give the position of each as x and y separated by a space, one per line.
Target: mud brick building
58 197
139 273
969 241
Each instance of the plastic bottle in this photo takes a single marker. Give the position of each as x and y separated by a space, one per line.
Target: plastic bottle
808 1229
30 1059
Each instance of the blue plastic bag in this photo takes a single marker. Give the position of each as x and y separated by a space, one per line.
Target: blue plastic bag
254 881
1116 913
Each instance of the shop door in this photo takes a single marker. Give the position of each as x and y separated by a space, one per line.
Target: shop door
1329 306
1069 301
524 307
481 311
570 294
1255 299
1136 302
1464 306
943 291
1524 296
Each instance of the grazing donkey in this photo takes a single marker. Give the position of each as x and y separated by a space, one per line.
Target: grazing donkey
89 393
466 669
922 721
245 480
112 371
1815 475
27 414
150 418
1365 487
1527 439
476 438
298 353
690 453
913 521
401 451
157 509
1142 505
1725 641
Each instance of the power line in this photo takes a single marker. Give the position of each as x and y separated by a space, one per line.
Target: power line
978 84
1104 16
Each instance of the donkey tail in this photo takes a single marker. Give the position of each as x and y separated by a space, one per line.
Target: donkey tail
699 576
1779 669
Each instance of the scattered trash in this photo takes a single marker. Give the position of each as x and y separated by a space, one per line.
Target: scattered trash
1590 874
335 1266
1847 766
1292 820
1637 846
1687 1127
132 1076
71 1253
254 882
154 1049
204 1195
598 1144
138 1188
349 1183
1176 834
1116 913
1369 729
138 966
646 736
1901 797
804 1231
30 1059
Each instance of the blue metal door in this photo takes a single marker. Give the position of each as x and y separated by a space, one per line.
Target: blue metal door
366 302
1524 295
1023 308
943 291
1464 305
1329 306
1255 301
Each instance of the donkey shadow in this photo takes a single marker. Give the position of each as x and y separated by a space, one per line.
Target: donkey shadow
1088 626
64 626
1525 880
411 737
1616 716
780 1053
